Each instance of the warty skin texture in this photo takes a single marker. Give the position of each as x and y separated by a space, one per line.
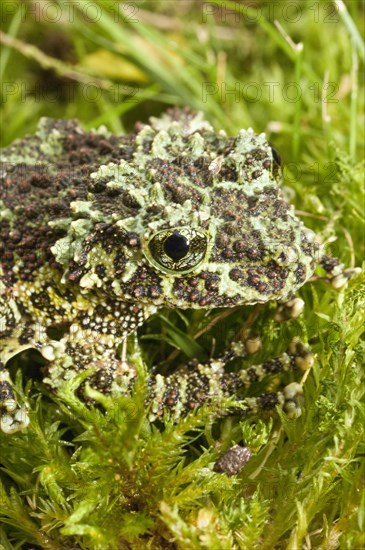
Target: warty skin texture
100 231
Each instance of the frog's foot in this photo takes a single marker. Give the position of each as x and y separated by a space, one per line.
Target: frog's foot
289 310
337 275
16 335
288 400
75 354
197 384
12 417
242 348
249 344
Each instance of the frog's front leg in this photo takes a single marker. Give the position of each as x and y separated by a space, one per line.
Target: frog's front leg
96 341
13 417
17 333
337 277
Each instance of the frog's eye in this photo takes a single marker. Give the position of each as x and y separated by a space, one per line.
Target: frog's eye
177 250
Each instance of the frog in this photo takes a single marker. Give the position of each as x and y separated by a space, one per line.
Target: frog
100 231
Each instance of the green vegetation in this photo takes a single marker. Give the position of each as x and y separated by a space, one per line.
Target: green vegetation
104 477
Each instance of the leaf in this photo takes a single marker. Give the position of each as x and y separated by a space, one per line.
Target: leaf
107 64
182 340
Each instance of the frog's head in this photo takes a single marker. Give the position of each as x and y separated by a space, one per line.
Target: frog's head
196 219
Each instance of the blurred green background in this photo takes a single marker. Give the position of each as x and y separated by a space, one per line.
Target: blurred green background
288 68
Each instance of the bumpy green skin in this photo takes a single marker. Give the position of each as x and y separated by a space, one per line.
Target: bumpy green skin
82 249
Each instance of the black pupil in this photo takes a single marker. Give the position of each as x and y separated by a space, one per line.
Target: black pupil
176 246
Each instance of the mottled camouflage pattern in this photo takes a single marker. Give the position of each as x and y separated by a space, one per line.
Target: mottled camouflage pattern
98 231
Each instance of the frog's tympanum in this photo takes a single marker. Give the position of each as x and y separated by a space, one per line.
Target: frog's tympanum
99 231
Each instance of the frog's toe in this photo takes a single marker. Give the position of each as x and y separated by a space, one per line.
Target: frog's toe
52 350
14 421
289 310
249 345
342 278
292 394
13 417
303 357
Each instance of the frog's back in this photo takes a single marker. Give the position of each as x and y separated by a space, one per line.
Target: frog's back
41 176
